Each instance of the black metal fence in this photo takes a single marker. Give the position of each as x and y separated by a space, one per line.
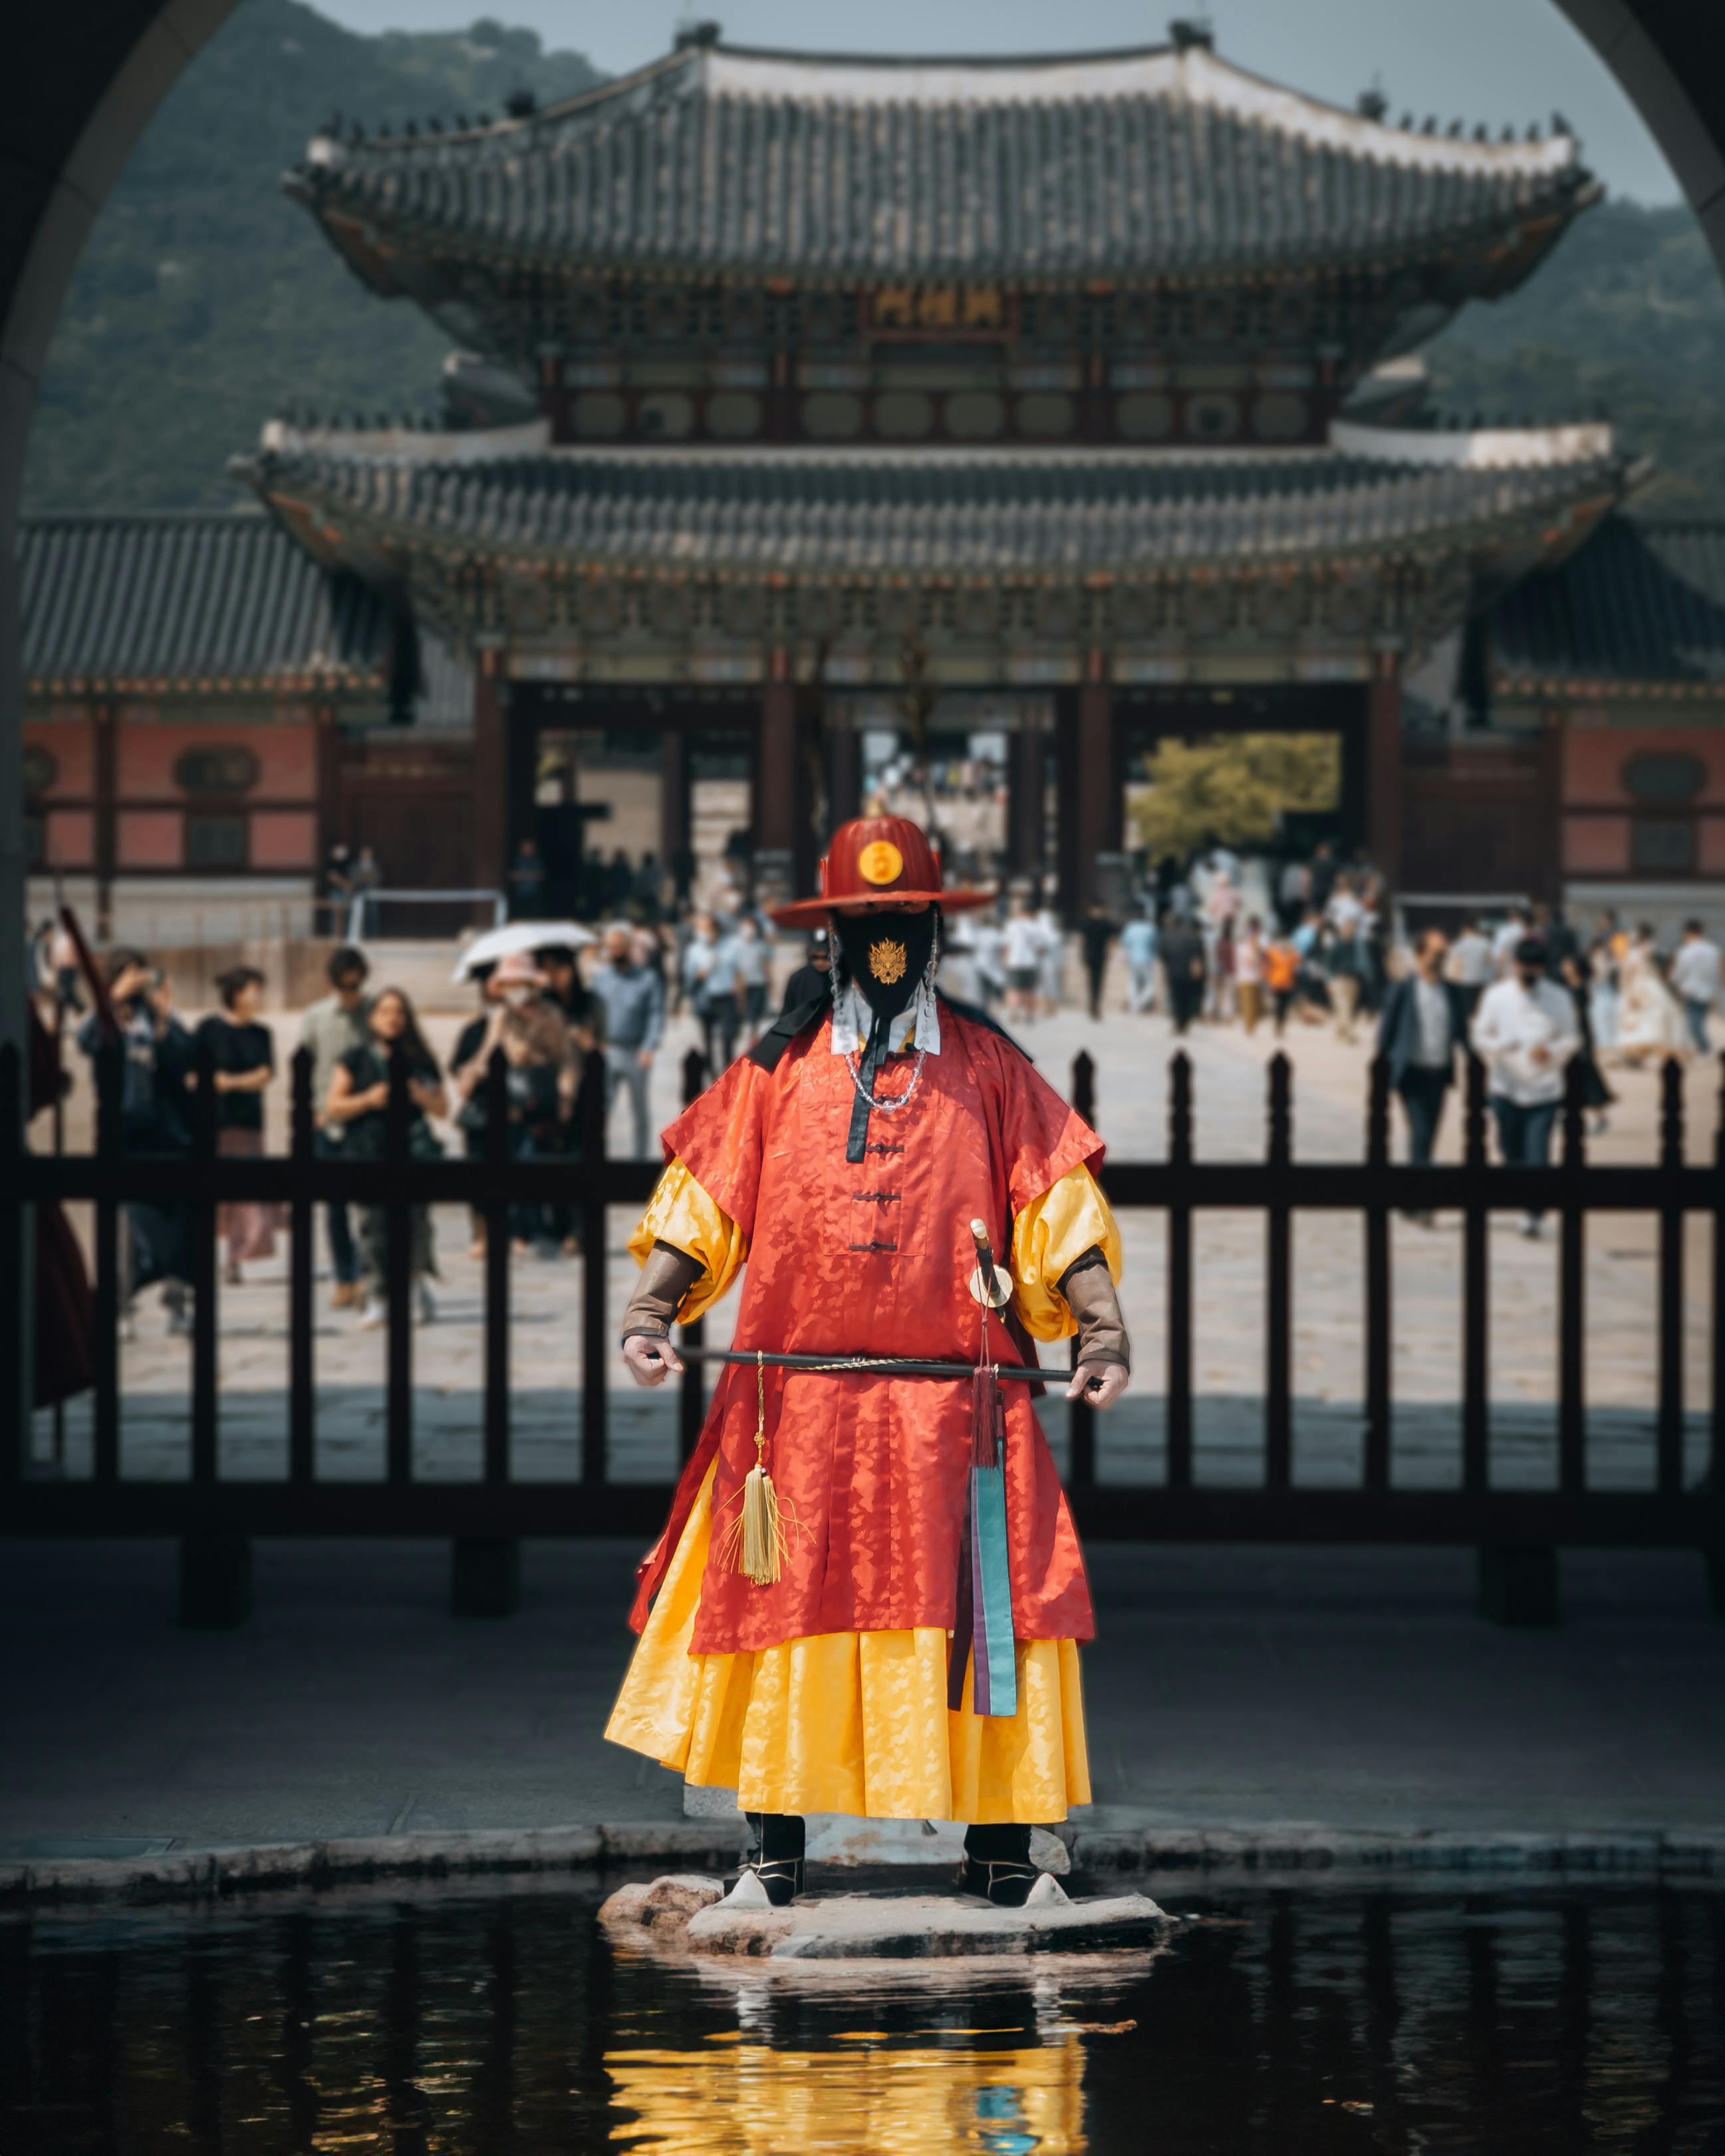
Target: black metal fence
498 1508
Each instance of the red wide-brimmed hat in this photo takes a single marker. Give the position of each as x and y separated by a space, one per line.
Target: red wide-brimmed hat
875 862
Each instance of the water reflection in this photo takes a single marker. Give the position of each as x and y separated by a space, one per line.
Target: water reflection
1321 2022
912 2100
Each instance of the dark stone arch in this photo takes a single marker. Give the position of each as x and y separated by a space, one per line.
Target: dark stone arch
85 75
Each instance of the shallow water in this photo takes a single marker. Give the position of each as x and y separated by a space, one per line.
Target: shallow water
1276 2023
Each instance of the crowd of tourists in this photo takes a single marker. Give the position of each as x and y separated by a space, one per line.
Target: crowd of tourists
1222 941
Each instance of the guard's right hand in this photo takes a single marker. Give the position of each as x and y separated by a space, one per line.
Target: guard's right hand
649 1361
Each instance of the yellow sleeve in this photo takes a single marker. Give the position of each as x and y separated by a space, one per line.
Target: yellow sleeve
680 1213
1052 1232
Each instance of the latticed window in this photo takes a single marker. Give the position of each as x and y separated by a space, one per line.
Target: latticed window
215 841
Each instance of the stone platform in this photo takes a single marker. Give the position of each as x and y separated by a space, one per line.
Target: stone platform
689 1913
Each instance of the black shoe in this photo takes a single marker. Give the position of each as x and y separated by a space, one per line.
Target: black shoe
777 1858
1006 1884
780 1877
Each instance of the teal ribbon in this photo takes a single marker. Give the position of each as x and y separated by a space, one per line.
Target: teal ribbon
994 1683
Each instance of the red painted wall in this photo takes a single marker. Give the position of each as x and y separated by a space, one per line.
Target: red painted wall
72 744
148 839
145 755
1594 755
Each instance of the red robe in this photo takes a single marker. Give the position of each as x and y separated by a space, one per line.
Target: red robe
873 1258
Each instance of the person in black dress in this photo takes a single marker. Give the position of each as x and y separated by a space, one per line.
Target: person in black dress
243 1051
359 1099
154 1103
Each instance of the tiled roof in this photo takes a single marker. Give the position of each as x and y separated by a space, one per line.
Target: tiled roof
1138 164
814 513
196 598
1639 602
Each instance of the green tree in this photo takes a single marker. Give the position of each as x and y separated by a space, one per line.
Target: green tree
1230 789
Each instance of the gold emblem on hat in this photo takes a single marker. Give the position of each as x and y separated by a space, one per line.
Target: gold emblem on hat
880 862
886 961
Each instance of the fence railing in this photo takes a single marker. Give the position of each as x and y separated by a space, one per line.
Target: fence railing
1276 1507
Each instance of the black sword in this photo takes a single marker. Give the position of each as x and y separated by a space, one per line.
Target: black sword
867 1365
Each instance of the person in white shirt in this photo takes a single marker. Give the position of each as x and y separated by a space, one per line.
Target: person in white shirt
1650 1020
1510 933
1526 1031
1021 947
1344 911
1052 959
1471 966
1695 976
1137 941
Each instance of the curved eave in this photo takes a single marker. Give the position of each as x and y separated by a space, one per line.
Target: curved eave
529 515
1603 689
386 246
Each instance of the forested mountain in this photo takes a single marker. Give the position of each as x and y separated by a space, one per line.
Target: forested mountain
1625 320
207 300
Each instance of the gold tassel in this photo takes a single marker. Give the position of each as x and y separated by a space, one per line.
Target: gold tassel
760 1526
754 1541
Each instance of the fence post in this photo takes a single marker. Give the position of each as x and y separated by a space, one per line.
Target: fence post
1514 1583
203 1217
1715 1466
1671 1282
1179 1276
215 1570
15 1302
398 1277
1378 1405
691 1392
595 1088
1475 1314
302 1252
110 1082
1080 1415
1572 1290
1278 1405
485 1570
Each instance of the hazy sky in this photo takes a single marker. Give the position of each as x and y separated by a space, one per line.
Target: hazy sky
1495 60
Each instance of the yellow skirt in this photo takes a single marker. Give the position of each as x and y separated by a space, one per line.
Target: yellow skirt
848 1722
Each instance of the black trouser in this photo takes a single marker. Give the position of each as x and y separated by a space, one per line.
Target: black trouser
1422 1090
1096 973
782 1835
1185 1001
719 1021
344 1256
1279 1001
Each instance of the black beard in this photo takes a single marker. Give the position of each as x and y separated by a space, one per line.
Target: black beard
887 955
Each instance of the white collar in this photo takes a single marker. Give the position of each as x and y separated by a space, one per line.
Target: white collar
918 1024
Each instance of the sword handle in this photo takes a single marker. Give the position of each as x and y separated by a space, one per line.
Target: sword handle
998 1292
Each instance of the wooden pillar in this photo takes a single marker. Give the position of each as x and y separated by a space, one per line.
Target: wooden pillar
326 749
1026 799
1383 768
1097 792
844 777
1549 880
675 805
106 718
776 787
490 774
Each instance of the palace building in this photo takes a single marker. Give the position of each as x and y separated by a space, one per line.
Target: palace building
799 397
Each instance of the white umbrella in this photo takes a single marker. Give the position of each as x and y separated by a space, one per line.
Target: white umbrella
499 943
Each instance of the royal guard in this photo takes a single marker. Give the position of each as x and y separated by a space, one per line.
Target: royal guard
869 1595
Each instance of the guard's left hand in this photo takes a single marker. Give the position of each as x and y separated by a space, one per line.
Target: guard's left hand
1109 1380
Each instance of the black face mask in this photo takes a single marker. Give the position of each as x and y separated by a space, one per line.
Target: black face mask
885 955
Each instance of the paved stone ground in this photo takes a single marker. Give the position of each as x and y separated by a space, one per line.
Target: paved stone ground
1132 1055
1229 1688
